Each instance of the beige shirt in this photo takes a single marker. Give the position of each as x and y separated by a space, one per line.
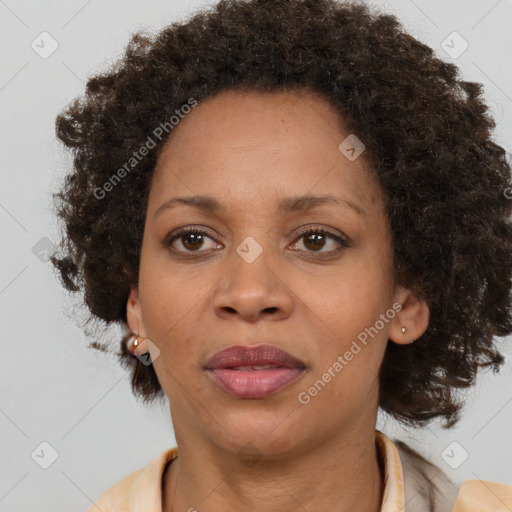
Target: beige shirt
411 484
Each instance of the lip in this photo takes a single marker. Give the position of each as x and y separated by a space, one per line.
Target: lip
233 370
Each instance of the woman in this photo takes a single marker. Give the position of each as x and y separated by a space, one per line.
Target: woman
297 212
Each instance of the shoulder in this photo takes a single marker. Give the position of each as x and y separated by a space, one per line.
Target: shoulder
427 487
141 488
483 496
117 498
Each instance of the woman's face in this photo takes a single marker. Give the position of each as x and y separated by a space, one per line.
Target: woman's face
256 276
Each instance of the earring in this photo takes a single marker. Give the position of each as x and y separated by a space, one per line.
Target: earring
403 330
134 342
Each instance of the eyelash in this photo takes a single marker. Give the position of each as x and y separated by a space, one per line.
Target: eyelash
181 232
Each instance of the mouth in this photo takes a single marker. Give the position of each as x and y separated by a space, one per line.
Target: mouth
253 372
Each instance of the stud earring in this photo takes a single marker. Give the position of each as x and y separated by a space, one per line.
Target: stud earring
403 330
134 342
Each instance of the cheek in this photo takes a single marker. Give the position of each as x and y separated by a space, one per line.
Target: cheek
164 291
351 298
346 306
171 311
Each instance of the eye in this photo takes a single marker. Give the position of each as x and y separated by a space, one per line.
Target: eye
190 238
315 239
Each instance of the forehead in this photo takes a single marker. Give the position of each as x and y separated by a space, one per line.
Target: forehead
235 116
259 145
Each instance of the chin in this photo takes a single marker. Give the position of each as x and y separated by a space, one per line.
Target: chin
269 432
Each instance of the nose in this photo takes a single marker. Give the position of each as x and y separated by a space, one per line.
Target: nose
252 291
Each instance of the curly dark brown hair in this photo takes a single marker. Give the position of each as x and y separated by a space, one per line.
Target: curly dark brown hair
427 139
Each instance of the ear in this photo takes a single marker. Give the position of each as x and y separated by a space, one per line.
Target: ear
135 323
414 316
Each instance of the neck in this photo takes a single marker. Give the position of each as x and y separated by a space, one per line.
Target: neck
342 476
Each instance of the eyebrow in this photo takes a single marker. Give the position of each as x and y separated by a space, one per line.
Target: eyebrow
287 205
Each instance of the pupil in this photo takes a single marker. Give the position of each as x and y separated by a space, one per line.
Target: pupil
195 245
318 242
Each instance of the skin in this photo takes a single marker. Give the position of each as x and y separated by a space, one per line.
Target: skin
250 150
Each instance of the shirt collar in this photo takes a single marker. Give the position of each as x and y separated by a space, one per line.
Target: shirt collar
393 499
146 489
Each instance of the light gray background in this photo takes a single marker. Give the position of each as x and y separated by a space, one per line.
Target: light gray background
52 388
